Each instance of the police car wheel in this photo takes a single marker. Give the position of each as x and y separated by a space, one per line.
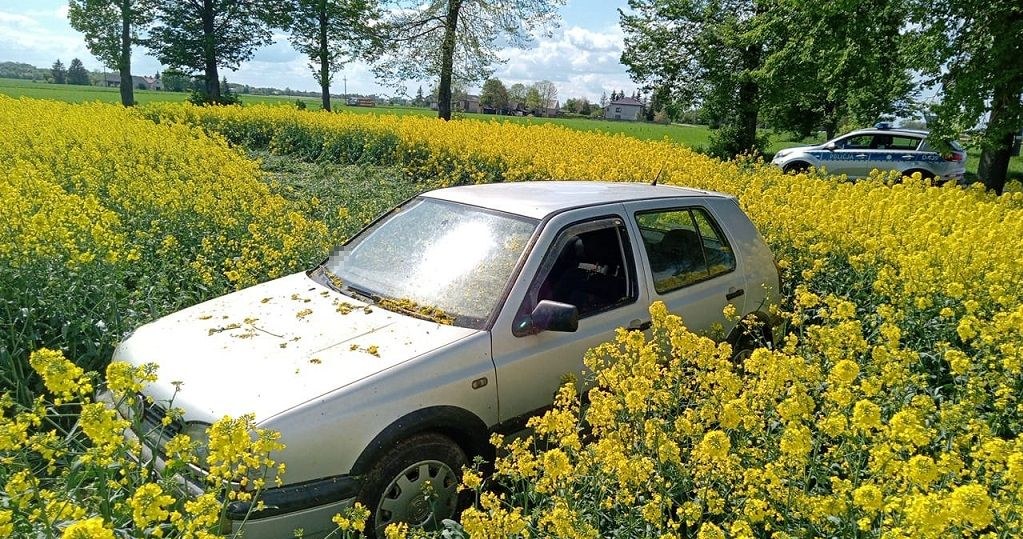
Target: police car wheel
924 175
797 167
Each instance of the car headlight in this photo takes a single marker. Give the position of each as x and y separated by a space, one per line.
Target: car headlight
782 153
199 433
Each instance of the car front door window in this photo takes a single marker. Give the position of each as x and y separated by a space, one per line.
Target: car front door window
588 266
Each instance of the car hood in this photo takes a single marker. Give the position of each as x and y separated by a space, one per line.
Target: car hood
274 346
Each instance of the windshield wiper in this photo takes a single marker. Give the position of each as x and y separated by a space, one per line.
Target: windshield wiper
364 295
327 278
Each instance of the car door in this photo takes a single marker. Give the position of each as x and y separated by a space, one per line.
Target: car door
586 258
690 263
851 156
902 154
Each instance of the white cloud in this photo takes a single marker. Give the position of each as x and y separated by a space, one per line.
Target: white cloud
580 62
23 38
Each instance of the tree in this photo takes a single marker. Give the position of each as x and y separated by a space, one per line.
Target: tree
455 39
331 33
420 100
494 95
708 51
532 101
603 99
111 27
854 70
58 72
198 37
77 74
174 81
517 94
972 51
546 93
584 106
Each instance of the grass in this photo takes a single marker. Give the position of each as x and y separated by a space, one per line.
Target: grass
80 94
693 136
344 197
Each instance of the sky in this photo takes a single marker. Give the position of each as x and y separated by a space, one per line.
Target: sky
581 58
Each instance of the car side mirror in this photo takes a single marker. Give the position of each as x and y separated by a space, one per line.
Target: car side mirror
830 146
551 316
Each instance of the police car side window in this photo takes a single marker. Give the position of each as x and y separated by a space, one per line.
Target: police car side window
857 142
904 143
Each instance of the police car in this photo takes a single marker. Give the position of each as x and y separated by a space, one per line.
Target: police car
857 153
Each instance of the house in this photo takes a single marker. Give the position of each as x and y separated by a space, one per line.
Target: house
471 103
517 108
141 83
626 108
552 109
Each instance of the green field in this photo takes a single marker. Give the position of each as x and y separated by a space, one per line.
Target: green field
693 136
80 94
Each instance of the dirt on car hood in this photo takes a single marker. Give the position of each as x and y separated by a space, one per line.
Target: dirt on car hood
268 348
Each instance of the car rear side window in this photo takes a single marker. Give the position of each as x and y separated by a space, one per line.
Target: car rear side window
684 246
903 143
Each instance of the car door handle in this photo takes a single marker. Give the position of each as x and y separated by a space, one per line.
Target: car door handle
861 156
907 157
733 293
638 325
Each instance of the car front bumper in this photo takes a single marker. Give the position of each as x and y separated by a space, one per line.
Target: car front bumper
307 506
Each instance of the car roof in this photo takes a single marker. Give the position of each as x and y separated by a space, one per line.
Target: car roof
543 198
916 133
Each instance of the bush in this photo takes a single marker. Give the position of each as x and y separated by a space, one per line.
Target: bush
729 141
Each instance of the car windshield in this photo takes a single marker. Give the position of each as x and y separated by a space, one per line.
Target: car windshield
433 259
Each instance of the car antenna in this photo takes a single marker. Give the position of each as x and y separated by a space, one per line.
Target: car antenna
658 176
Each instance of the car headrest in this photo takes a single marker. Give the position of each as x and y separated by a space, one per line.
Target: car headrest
681 240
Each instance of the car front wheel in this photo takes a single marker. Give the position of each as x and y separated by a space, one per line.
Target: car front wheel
416 482
797 167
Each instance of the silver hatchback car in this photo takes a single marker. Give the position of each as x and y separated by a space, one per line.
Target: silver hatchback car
857 153
454 316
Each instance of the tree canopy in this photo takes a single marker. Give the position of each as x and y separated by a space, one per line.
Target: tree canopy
58 72
77 74
706 51
455 39
854 69
198 37
972 51
800 65
494 94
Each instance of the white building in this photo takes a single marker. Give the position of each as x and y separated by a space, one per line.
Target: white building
626 108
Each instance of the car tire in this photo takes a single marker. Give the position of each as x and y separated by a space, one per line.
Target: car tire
796 167
393 488
924 175
748 341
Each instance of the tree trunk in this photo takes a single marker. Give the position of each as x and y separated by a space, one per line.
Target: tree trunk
447 62
212 82
830 121
994 159
324 58
124 62
749 100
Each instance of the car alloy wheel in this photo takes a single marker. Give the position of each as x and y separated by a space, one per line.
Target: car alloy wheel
415 483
